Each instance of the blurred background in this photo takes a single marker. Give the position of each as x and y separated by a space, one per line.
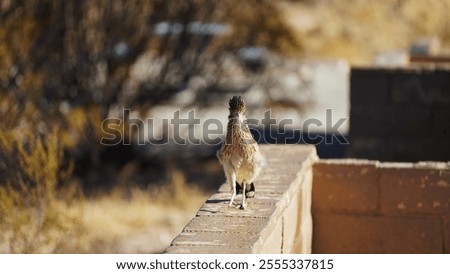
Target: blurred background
66 66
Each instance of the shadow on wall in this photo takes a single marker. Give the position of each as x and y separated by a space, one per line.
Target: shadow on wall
328 145
400 114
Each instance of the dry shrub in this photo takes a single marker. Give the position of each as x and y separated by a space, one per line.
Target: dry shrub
37 213
41 214
41 209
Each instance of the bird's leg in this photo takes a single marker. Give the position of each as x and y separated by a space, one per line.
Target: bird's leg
243 204
233 189
250 190
233 194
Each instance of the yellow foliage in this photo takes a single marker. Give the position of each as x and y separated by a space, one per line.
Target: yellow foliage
77 120
34 220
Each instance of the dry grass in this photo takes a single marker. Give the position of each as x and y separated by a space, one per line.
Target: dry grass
358 29
137 221
36 216
123 221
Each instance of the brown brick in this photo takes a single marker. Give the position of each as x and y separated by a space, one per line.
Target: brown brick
345 186
415 190
447 234
369 87
370 234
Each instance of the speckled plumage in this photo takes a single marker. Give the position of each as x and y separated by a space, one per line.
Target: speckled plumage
239 154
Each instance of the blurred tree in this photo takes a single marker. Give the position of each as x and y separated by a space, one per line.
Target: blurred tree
68 62
81 51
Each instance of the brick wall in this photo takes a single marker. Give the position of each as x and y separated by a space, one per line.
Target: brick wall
277 219
362 206
400 114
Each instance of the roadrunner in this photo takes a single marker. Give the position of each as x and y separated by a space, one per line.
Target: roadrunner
239 154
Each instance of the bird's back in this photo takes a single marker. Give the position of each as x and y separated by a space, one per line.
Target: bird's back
240 150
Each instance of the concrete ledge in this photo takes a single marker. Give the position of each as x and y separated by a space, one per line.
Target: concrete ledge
277 220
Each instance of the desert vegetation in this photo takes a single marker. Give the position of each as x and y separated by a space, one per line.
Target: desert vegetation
65 67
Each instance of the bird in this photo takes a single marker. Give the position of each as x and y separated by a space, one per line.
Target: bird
239 154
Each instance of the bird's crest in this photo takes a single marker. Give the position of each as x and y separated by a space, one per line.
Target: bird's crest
237 104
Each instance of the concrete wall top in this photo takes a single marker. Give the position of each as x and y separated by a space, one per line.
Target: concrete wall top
260 228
